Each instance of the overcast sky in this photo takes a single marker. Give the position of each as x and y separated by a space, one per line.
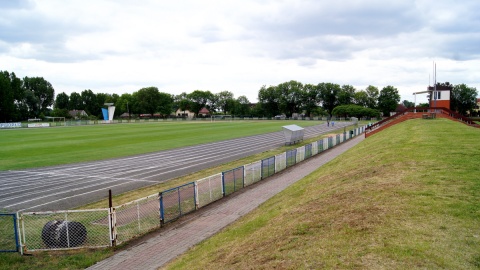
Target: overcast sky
121 46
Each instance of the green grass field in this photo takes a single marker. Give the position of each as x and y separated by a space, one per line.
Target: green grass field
36 147
405 198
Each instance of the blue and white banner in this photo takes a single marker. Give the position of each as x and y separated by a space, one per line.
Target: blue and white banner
11 125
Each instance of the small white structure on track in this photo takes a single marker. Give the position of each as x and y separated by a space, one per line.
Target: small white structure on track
293 134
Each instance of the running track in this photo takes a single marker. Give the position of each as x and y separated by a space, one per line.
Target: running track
69 186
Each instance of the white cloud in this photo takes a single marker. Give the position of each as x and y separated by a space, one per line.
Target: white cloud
122 46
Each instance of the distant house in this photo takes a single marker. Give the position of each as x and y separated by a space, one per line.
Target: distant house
188 114
477 107
76 114
184 113
204 112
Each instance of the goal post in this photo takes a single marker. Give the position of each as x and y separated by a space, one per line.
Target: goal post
221 117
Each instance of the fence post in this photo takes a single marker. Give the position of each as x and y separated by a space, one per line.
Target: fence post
112 220
179 201
66 228
195 193
23 234
223 184
243 178
274 164
18 235
162 220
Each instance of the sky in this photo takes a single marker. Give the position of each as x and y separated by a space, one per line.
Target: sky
121 46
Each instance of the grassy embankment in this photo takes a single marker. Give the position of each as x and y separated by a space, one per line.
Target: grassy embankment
407 197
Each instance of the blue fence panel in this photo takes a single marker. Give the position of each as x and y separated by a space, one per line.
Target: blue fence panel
308 150
233 180
291 157
177 202
9 241
268 167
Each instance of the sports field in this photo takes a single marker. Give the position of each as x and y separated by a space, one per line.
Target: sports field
38 147
78 183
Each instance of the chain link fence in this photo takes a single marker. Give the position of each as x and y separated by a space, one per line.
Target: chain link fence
280 162
291 156
209 189
314 148
300 154
9 241
66 229
177 202
253 173
330 142
308 150
268 167
233 180
136 218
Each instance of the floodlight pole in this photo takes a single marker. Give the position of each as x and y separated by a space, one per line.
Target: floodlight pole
415 103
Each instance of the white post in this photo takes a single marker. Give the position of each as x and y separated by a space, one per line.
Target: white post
415 103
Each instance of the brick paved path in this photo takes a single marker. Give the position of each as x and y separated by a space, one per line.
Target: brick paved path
181 235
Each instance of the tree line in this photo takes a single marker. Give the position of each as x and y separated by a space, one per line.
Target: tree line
34 97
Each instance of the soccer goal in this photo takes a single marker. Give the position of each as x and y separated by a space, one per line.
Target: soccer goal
222 117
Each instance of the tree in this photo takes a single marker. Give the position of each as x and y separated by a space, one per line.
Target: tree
346 95
199 99
372 93
43 92
242 106
328 93
289 95
388 100
165 105
11 96
61 102
124 103
463 98
310 99
60 113
75 102
361 98
224 101
408 104
268 102
353 110
90 103
147 100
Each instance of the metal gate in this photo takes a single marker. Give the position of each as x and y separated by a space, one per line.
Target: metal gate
9 240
